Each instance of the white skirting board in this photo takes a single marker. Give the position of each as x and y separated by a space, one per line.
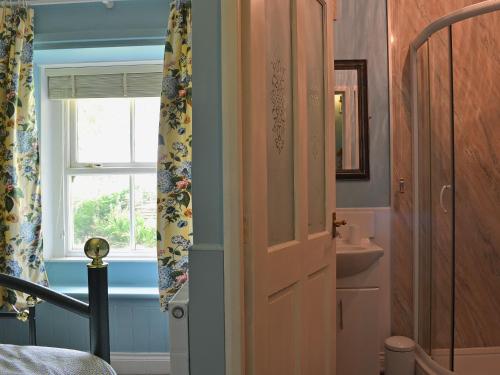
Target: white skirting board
141 363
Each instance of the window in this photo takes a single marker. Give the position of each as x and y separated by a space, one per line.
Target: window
108 153
111 177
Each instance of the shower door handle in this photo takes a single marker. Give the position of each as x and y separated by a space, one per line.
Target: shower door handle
441 197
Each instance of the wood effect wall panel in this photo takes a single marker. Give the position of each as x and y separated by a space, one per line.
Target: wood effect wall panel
406 20
476 56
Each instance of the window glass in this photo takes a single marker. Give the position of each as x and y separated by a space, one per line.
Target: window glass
103 130
145 211
100 207
146 117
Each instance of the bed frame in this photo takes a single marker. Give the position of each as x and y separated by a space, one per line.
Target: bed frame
96 310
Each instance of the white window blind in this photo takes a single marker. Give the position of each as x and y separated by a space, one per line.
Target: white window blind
105 81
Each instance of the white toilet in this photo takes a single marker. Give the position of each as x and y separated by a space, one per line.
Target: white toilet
399 356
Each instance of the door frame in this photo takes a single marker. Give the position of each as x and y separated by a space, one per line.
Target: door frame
232 156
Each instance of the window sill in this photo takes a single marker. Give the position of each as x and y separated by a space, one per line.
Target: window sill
126 277
107 260
114 292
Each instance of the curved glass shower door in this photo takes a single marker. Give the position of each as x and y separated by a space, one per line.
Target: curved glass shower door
435 189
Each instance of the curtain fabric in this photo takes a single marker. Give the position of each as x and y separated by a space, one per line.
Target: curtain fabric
20 204
175 226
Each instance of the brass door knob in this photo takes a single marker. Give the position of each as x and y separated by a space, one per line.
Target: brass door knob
339 223
336 224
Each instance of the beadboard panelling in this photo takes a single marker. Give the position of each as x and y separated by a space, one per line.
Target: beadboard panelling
135 326
136 322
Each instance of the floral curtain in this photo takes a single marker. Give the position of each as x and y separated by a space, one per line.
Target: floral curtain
20 203
175 226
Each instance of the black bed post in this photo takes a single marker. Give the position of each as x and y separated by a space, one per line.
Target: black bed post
96 249
31 302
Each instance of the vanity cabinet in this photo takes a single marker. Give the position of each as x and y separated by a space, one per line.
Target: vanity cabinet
357 331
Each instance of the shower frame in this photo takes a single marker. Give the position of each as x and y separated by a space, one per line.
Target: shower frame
447 21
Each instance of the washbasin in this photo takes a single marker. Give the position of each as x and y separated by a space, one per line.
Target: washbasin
354 259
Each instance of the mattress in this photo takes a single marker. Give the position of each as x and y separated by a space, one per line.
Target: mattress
39 360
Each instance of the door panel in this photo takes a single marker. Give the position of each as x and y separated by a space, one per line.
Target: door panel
280 145
283 347
283 268
312 38
288 187
317 322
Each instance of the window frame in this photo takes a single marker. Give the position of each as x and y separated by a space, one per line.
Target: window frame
62 114
74 168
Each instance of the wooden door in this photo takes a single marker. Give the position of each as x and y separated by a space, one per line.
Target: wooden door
288 187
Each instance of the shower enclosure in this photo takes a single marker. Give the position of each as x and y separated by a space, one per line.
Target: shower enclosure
456 121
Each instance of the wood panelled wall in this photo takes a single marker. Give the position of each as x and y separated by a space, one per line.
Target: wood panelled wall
476 70
406 20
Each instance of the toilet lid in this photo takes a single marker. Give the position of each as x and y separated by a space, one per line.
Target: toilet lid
399 344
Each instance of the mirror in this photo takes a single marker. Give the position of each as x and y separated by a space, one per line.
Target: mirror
351 120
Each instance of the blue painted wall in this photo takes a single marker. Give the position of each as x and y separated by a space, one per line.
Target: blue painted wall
206 285
131 31
206 313
90 55
361 33
137 22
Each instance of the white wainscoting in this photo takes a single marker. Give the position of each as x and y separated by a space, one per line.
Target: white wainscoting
141 363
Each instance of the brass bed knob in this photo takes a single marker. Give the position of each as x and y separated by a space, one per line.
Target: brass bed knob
96 249
31 301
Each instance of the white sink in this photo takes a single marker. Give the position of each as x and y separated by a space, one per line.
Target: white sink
354 259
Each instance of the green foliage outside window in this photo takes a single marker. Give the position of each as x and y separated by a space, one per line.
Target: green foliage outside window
108 217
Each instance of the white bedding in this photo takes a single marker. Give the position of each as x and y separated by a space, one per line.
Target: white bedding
39 360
